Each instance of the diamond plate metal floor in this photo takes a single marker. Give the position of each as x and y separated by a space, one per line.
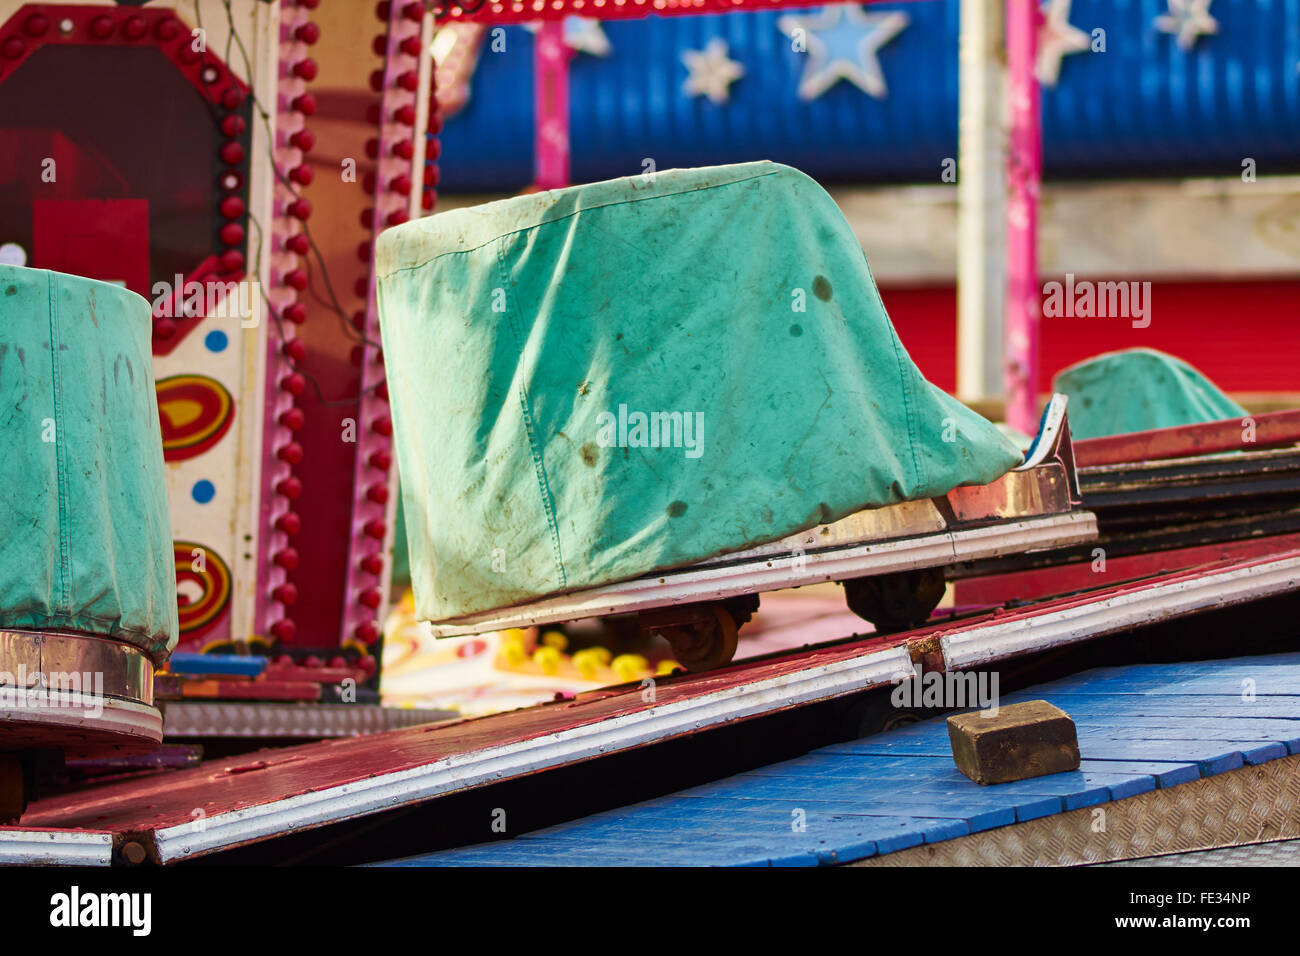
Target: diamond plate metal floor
1279 853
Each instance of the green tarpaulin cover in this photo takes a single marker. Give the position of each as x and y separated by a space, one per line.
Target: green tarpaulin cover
85 537
1137 390
598 382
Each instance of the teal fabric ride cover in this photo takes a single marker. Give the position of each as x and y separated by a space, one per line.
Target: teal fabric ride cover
594 383
1137 390
85 537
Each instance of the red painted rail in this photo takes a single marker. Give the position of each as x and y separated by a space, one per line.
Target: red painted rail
1252 433
1038 584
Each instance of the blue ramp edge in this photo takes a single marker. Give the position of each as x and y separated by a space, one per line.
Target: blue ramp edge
1140 727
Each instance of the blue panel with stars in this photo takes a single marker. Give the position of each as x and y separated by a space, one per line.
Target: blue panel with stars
869 94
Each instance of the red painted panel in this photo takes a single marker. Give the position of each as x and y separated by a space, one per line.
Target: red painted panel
104 239
925 318
1242 334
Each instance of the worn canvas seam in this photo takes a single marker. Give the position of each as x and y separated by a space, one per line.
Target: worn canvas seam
548 503
60 462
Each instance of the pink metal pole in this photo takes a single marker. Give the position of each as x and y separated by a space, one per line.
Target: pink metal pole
1024 173
551 89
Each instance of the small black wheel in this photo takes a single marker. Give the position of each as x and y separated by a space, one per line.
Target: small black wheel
896 602
704 646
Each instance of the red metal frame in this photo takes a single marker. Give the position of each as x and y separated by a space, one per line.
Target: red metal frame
1252 433
1039 583
37 24
365 594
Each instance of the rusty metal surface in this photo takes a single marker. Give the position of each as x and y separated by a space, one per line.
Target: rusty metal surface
1046 483
1040 491
1156 516
1239 478
1245 806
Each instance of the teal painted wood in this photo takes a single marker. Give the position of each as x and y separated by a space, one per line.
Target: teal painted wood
897 790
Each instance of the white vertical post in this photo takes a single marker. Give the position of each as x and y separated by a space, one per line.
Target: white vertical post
981 197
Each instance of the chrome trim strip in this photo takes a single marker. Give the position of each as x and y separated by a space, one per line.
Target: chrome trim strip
55 847
126 672
82 694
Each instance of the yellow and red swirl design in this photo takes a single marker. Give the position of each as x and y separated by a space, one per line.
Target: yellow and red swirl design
202 586
195 412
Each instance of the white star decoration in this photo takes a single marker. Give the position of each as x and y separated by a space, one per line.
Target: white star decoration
1057 38
1187 20
581 34
586 36
842 44
711 71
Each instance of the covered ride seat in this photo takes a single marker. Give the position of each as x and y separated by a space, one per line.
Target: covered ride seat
85 535
596 383
1137 390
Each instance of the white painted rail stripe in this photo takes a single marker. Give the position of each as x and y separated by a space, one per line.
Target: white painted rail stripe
982 645
61 847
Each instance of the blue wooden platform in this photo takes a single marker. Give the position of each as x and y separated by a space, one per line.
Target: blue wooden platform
1140 727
